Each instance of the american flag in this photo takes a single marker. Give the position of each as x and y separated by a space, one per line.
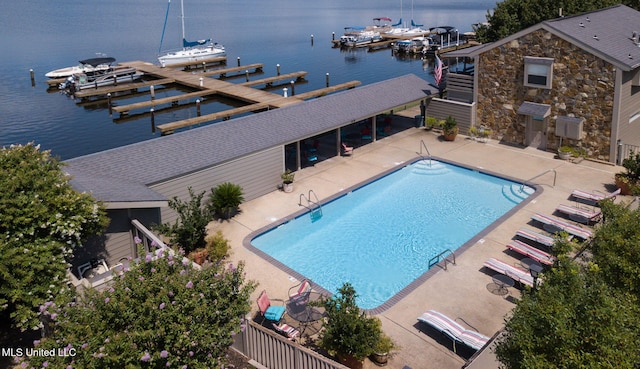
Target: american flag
437 71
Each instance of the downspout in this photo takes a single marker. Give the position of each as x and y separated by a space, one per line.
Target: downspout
615 116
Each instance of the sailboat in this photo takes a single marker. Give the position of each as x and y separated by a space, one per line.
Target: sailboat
192 51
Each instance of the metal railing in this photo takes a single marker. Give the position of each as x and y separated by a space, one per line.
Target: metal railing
428 157
555 174
315 209
441 256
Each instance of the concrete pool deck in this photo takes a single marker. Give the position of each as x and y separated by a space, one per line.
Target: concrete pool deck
461 292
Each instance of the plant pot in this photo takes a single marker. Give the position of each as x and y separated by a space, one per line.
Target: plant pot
228 213
625 187
380 359
449 136
199 257
287 187
350 361
563 155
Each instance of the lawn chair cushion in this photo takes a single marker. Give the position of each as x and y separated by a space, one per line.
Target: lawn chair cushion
274 313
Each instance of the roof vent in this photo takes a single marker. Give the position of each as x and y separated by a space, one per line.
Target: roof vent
630 57
581 24
588 20
595 37
635 37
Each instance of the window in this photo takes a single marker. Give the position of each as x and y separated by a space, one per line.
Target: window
538 72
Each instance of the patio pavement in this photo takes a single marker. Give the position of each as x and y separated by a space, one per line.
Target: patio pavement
463 291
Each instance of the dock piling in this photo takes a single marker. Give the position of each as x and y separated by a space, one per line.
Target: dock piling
201 82
238 61
198 107
333 36
293 88
284 92
152 92
246 75
327 80
109 103
153 121
278 69
311 40
204 66
33 78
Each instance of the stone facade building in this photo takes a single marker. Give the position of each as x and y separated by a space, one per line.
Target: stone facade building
571 81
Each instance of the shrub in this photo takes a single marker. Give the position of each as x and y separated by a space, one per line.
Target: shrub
225 199
217 246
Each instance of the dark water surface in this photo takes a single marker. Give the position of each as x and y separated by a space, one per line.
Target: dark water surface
44 35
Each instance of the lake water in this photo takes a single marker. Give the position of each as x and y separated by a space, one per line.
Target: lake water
44 35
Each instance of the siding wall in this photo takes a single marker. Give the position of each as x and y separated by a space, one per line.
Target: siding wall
257 174
464 113
460 87
629 131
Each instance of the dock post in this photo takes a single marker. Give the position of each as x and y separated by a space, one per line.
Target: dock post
284 92
109 103
201 81
204 67
333 36
311 40
153 121
238 61
33 78
293 88
152 92
246 74
198 107
327 80
278 68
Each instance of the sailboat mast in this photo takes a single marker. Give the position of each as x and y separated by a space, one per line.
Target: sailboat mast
182 18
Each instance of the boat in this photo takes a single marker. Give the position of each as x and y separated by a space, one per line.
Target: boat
86 66
192 51
113 76
359 36
416 45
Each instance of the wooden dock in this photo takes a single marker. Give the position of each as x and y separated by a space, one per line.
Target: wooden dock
200 63
270 80
122 87
327 90
257 67
168 128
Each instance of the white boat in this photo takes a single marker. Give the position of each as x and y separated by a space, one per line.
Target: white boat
192 51
86 66
113 76
359 36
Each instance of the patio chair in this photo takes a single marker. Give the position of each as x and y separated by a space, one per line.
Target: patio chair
554 225
580 215
286 330
299 294
273 313
531 252
517 274
593 198
453 330
540 238
346 150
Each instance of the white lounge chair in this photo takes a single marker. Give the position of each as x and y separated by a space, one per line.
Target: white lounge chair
453 330
553 225
580 215
517 274
531 252
536 236
595 197
286 330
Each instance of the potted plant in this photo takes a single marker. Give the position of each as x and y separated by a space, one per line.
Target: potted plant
473 132
484 133
450 129
382 349
629 181
287 180
565 152
431 123
348 332
225 199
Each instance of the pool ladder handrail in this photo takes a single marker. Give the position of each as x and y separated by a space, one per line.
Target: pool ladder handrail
316 213
428 158
436 259
555 174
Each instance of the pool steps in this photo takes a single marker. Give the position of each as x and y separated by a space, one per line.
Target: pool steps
516 192
429 167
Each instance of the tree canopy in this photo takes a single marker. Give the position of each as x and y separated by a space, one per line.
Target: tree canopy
586 313
42 219
161 313
511 16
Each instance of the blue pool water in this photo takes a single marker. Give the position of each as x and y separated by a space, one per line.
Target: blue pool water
381 237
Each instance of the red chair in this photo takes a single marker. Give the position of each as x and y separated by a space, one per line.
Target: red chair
268 311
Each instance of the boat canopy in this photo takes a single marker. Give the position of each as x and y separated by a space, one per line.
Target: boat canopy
386 19
186 43
94 62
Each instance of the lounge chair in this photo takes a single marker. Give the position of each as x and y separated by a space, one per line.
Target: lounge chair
517 274
346 150
531 252
286 330
593 198
273 313
554 225
299 294
453 330
536 237
580 215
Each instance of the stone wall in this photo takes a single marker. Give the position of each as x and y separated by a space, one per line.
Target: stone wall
582 86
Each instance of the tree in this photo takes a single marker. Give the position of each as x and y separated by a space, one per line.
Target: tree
160 313
42 219
586 314
511 16
189 229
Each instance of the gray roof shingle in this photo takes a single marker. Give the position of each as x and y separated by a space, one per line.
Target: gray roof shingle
123 174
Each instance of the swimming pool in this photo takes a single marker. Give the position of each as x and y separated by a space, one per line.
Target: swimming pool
381 237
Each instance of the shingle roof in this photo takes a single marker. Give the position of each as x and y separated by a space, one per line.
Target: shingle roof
123 174
606 33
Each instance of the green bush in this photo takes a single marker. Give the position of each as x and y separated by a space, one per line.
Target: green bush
217 246
225 199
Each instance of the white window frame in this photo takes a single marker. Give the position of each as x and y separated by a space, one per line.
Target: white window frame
539 67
